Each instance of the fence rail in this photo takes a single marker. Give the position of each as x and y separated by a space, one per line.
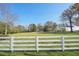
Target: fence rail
38 43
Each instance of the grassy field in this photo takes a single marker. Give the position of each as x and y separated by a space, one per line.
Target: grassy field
41 53
43 34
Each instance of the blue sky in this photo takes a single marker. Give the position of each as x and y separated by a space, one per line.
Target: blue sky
38 12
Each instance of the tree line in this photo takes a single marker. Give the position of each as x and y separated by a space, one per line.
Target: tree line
49 26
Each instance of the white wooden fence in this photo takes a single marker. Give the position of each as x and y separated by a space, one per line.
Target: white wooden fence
35 43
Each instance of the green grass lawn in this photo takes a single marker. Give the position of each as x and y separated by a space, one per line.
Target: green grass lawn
41 53
43 34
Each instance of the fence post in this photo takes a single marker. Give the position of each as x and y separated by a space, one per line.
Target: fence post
11 44
37 44
62 38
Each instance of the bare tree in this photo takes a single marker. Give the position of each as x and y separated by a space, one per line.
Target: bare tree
76 7
7 16
67 16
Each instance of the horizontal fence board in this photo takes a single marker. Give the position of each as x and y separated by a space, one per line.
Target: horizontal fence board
72 44
4 44
4 40
50 48
49 36
72 48
50 44
71 36
24 45
25 37
24 49
70 40
5 37
4 49
49 40
24 41
40 36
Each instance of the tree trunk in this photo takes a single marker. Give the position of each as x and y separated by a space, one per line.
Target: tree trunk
71 29
6 29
